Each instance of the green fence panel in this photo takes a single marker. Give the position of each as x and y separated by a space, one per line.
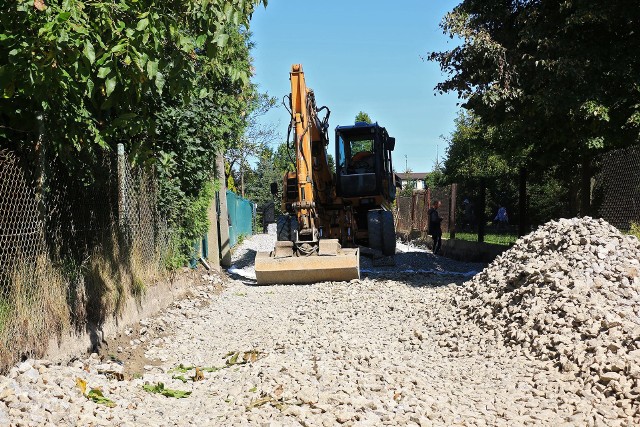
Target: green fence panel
240 217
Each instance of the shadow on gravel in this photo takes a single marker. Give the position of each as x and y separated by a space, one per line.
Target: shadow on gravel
246 259
422 280
417 269
422 269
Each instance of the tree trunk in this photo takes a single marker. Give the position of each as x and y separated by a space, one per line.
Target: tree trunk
242 179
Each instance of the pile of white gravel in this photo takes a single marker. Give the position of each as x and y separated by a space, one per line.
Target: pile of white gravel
568 293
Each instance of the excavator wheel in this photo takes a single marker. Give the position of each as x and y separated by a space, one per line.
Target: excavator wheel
375 229
388 234
282 228
286 227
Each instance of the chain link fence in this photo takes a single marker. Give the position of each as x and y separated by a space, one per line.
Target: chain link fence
616 189
498 209
72 249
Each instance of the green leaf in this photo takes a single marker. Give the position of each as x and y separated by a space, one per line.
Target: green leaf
90 86
160 389
142 24
127 116
96 395
89 52
103 72
110 85
152 69
118 48
63 16
63 37
46 28
221 39
123 119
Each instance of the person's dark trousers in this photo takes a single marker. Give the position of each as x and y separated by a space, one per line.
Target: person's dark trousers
437 242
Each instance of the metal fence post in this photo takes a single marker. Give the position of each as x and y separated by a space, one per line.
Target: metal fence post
122 191
452 211
223 215
213 250
481 211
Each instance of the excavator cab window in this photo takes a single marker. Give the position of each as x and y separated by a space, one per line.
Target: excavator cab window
356 154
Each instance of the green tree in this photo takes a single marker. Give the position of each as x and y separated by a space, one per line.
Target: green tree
259 180
80 76
170 80
256 136
363 117
554 80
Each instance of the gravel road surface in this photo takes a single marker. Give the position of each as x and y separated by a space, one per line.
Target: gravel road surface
389 349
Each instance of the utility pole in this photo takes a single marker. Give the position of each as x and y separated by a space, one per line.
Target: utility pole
406 164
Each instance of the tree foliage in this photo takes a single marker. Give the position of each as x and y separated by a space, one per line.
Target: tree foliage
170 80
558 80
272 165
363 117
257 135
98 72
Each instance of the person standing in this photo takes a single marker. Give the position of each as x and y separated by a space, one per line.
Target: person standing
502 218
435 227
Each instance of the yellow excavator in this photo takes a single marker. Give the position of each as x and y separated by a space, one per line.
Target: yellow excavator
328 216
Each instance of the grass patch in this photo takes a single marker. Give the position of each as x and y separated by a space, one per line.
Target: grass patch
33 306
635 229
493 238
184 369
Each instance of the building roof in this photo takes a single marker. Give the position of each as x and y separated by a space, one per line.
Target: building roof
412 176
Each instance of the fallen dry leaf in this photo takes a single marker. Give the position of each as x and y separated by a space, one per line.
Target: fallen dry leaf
82 385
199 376
250 356
39 4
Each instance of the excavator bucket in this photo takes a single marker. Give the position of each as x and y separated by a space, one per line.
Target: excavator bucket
330 263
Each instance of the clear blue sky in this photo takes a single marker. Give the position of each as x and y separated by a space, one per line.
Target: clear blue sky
361 55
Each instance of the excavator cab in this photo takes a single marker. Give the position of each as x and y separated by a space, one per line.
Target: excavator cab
365 182
364 168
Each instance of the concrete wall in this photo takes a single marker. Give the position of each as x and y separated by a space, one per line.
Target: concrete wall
156 298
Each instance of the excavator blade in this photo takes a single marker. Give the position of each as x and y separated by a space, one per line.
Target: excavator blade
335 265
